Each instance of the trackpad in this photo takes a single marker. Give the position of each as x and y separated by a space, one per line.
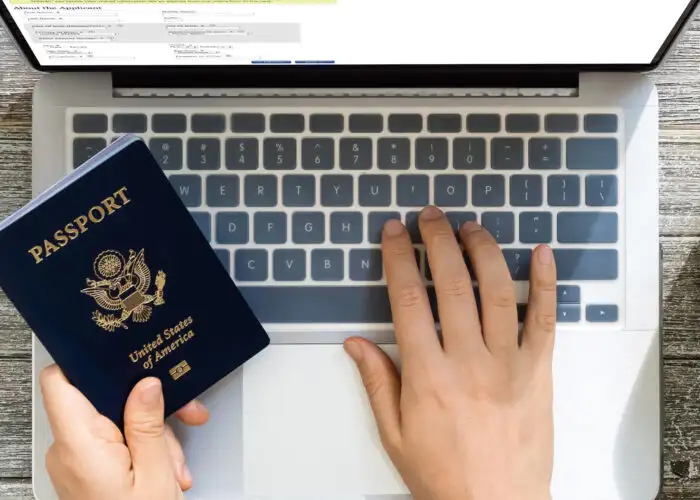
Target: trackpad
308 428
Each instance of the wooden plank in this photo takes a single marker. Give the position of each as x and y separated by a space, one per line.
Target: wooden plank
15 418
17 489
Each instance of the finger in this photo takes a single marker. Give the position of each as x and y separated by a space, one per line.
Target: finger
541 318
499 316
177 456
381 382
410 308
144 429
68 411
459 319
193 413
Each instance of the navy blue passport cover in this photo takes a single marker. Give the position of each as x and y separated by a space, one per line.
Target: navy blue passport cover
116 280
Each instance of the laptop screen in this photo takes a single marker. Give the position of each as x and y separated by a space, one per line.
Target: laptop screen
344 32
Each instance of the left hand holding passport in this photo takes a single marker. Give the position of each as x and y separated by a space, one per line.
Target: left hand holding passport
91 459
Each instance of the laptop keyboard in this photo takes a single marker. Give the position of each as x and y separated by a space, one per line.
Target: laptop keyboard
294 203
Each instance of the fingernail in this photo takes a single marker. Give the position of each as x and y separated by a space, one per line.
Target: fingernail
471 227
354 350
186 474
151 392
430 213
393 227
544 254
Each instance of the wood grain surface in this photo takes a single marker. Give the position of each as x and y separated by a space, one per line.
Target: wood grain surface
678 81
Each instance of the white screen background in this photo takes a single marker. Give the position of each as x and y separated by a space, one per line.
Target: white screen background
446 32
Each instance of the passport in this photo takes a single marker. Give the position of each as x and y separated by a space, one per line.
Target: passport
117 281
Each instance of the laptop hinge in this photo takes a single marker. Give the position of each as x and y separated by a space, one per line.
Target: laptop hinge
343 82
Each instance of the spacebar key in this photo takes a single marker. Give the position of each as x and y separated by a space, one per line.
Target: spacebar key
580 265
321 304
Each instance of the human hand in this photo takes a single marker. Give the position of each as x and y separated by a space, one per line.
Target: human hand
91 459
471 419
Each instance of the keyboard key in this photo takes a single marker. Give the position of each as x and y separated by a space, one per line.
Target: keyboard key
485 123
450 190
317 154
535 227
365 265
203 221
323 304
431 154
299 190
242 154
602 313
248 123
563 190
526 190
251 265
86 148
133 123
326 123
568 313
412 190
169 123
591 154
522 123
337 190
518 262
501 225
225 258
561 123
507 154
346 227
308 227
260 191
203 154
444 123
393 154
374 190
469 154
289 265
412 227
568 294
601 190
167 152
580 265
270 228
586 227
188 188
90 123
280 154
376 222
359 123
223 191
488 190
208 124
287 123
458 219
327 265
356 154
232 228
600 123
544 154
405 123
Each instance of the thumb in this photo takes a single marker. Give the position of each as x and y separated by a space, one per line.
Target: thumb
383 388
144 430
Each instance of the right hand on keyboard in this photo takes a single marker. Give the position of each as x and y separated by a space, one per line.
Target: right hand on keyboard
471 418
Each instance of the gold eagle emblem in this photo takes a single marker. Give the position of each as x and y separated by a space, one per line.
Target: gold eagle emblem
122 285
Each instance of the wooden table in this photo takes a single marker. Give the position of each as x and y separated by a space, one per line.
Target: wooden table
679 88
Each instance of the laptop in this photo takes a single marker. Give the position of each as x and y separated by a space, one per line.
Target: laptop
294 129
